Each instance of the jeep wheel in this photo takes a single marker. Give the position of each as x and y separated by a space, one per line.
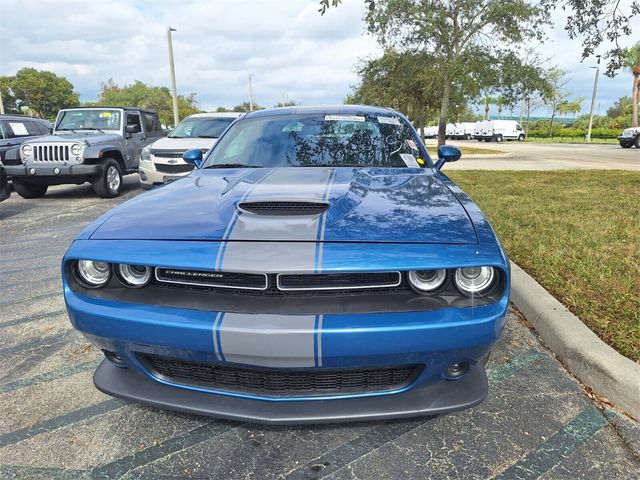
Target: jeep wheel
109 183
29 190
637 142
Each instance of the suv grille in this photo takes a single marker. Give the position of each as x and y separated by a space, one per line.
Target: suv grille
281 382
51 153
284 208
177 168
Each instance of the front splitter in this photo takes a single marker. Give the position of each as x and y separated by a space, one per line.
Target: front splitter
433 399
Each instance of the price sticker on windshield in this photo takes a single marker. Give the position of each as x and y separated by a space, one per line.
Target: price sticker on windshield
409 160
344 118
389 120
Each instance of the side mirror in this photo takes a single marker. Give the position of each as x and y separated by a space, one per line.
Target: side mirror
132 129
193 156
447 153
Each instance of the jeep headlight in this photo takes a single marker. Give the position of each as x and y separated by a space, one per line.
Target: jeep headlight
146 153
26 150
76 149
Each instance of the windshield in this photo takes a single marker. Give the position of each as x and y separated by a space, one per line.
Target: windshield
201 128
89 119
316 140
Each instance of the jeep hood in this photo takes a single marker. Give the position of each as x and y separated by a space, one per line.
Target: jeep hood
89 139
364 205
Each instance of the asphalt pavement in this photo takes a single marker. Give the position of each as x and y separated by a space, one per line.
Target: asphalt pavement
538 422
541 156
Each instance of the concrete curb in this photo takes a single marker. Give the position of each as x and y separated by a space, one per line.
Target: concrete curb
592 361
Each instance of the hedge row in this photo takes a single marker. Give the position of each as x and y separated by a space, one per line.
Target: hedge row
576 133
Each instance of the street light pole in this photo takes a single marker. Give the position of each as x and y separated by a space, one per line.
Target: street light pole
593 100
250 93
174 93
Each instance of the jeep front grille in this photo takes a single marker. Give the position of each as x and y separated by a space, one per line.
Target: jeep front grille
51 153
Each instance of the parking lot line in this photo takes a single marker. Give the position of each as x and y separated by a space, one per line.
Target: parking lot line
39 343
586 424
32 318
48 376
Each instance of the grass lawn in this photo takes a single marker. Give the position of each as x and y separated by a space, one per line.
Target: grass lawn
612 141
578 234
433 150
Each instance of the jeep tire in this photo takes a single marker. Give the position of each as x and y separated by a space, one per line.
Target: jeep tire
29 190
109 183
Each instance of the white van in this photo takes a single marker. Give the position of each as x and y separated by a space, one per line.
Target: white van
481 130
431 132
467 130
500 130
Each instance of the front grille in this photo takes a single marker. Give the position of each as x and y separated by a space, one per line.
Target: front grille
281 284
167 153
284 208
250 281
338 281
177 168
51 153
281 382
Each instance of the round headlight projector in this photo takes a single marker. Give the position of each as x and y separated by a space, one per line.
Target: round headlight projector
93 274
474 280
134 276
26 150
76 149
427 281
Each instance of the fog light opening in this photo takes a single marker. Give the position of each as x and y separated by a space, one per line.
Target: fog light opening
114 358
456 370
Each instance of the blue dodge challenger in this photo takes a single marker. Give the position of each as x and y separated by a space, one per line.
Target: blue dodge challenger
316 266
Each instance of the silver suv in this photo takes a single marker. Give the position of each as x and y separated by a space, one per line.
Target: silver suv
89 144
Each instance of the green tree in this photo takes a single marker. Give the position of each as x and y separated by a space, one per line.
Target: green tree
620 108
632 62
458 33
41 91
142 95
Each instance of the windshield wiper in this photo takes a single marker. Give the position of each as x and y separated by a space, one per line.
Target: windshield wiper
232 165
206 136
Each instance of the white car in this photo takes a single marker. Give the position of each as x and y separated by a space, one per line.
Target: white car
162 162
499 130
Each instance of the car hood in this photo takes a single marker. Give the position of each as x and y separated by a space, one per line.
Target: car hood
88 139
183 144
364 205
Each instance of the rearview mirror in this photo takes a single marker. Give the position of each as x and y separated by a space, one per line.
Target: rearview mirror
447 153
193 156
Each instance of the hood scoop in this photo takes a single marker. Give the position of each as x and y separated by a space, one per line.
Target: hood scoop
286 208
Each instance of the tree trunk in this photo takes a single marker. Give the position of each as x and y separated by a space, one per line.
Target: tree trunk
444 107
553 116
635 97
485 117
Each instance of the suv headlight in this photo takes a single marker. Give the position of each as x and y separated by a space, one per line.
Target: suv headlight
146 153
76 149
26 150
474 280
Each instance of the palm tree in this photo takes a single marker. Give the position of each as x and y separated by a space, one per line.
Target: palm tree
632 56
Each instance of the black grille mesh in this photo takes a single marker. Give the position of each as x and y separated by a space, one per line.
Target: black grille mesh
177 168
284 208
281 382
339 280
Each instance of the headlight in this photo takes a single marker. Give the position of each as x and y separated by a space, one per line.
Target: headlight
427 281
145 154
26 150
76 149
93 274
134 276
474 280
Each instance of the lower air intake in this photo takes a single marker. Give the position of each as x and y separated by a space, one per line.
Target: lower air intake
281 382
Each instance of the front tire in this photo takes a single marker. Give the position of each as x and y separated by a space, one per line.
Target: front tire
521 138
637 142
29 190
109 183
498 138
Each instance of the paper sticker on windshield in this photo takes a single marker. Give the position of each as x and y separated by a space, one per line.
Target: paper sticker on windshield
409 160
18 128
344 118
389 120
412 144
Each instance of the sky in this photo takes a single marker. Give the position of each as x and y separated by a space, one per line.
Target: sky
292 51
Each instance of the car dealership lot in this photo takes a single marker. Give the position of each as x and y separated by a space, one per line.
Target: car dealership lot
536 422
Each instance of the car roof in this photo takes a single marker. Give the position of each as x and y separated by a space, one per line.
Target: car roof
111 106
216 115
10 116
323 109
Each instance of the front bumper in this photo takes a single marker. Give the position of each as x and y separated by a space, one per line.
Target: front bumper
432 399
627 141
53 174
